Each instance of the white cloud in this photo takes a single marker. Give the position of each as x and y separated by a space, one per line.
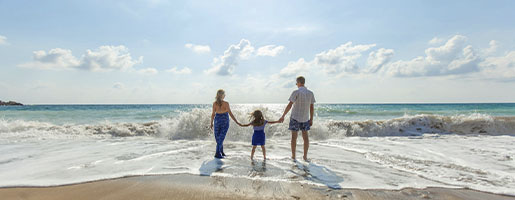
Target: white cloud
493 46
436 41
295 68
174 70
270 50
225 64
198 48
502 67
55 59
3 40
454 57
342 60
377 59
118 85
105 58
448 51
148 71
108 58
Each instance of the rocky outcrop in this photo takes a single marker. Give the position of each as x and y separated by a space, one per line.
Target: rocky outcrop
10 103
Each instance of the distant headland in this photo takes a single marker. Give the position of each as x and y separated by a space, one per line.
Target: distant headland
10 103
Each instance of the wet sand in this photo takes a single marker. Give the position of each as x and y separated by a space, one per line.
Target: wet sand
185 186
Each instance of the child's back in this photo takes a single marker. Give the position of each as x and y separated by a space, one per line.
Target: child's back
258 138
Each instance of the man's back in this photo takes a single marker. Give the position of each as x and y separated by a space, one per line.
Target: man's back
302 99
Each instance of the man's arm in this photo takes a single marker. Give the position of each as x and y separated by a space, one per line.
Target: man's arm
286 111
311 111
273 122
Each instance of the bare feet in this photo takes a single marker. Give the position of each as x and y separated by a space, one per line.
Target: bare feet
305 158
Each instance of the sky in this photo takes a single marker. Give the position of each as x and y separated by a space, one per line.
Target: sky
181 52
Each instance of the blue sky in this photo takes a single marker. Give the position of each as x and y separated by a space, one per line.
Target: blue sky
157 51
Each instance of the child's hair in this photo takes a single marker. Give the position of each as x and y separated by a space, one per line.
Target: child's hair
256 118
219 97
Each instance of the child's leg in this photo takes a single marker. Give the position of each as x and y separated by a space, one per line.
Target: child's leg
264 151
252 153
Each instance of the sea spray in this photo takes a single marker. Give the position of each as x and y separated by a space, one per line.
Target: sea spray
194 124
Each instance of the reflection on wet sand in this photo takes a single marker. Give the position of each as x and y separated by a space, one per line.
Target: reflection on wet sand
258 169
317 173
208 167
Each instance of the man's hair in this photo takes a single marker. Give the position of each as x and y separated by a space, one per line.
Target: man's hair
301 80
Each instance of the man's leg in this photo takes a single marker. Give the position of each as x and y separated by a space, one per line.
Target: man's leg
293 143
305 137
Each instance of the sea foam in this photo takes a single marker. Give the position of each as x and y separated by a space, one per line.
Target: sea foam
194 124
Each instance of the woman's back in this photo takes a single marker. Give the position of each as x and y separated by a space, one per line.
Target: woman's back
221 109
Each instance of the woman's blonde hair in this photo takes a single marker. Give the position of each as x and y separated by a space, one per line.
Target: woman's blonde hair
219 97
256 118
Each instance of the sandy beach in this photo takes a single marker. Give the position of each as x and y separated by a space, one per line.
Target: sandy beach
185 186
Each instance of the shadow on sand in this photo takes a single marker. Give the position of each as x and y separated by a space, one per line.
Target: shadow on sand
208 167
317 174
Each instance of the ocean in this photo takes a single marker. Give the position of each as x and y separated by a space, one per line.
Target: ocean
368 146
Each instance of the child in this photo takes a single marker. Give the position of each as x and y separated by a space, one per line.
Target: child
258 122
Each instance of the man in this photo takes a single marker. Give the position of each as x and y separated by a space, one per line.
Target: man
301 117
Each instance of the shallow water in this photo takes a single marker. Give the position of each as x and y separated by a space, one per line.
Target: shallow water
55 145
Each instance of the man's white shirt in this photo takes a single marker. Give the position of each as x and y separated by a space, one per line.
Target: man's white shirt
302 98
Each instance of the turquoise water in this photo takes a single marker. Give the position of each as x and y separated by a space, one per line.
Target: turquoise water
388 111
93 114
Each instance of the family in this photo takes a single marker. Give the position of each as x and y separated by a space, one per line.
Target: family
301 119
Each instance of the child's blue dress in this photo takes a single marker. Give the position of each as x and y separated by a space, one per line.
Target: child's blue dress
259 135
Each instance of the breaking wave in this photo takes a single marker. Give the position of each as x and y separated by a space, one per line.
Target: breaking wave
195 125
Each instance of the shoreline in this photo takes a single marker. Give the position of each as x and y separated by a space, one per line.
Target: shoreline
187 186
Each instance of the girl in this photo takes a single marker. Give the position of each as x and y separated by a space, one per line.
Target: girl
258 122
220 114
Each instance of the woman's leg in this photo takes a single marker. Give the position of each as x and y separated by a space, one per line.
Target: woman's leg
252 152
223 132
264 151
217 130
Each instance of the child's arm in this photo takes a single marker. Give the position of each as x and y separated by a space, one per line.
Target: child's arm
273 122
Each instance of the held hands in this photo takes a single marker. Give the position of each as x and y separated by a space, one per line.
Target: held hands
281 120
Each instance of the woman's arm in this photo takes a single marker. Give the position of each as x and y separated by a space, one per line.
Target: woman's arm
245 124
231 115
212 116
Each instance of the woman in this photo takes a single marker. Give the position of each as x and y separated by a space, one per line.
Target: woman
220 115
